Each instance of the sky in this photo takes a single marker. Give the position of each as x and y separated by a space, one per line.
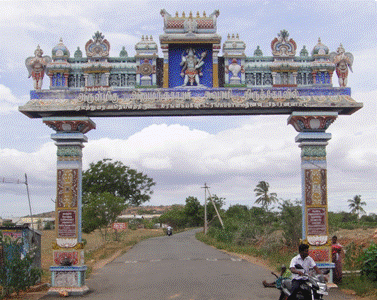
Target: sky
229 153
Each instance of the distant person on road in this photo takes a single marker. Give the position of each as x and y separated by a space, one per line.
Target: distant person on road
336 251
169 230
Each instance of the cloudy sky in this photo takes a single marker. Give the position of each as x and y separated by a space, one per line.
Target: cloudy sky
230 154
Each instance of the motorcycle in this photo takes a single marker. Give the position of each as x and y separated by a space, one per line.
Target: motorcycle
314 285
169 231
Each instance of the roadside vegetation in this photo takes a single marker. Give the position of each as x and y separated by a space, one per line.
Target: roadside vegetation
17 271
272 232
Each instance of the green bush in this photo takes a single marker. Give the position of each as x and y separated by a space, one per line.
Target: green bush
369 267
49 226
249 234
291 220
17 273
353 257
149 224
360 284
225 236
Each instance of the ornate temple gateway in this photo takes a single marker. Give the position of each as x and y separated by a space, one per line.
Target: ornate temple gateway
197 75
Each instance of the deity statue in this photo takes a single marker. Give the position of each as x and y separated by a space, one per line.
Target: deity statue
235 68
36 66
342 60
192 66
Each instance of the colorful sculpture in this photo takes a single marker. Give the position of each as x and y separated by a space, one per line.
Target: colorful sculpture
191 67
342 60
235 68
36 66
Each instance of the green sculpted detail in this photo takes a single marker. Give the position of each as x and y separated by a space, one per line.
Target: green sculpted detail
313 151
69 151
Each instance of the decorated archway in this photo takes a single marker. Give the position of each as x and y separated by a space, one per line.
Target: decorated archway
191 79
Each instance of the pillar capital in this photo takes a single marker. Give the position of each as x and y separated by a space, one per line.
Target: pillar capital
70 124
312 121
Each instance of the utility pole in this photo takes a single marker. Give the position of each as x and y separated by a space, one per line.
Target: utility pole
217 212
28 197
17 181
205 208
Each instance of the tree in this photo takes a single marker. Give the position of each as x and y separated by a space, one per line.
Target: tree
211 212
100 211
175 217
118 180
263 197
194 211
356 205
237 211
291 220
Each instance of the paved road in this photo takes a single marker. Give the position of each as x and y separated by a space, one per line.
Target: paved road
179 267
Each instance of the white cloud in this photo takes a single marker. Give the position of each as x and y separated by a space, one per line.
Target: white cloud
8 101
365 72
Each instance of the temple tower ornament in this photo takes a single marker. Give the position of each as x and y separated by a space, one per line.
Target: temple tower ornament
284 69
68 270
36 66
234 59
313 140
146 60
186 35
97 68
322 68
58 69
342 60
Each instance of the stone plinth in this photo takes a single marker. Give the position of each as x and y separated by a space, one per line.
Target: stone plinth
68 280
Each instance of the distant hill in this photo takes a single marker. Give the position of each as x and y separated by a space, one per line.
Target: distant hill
139 210
145 210
50 214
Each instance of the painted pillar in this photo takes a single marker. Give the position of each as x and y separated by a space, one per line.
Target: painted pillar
68 270
215 65
313 140
165 51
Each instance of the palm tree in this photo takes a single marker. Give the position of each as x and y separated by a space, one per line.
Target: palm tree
263 197
356 205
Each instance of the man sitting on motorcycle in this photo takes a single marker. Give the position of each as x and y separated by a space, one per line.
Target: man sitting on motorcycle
298 275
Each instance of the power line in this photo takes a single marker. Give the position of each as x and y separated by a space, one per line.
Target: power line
18 181
11 180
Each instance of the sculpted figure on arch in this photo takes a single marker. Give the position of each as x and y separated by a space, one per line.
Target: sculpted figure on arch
36 66
191 66
342 60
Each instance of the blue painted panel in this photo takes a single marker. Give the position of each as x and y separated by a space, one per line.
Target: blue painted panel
175 58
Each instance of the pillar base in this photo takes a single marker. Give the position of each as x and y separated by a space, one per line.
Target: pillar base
68 280
330 267
66 291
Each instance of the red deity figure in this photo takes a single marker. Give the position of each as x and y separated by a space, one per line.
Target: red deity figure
36 66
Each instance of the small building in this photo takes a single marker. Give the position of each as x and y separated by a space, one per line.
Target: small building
29 238
37 223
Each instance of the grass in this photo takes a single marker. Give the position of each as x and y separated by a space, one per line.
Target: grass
360 285
274 258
